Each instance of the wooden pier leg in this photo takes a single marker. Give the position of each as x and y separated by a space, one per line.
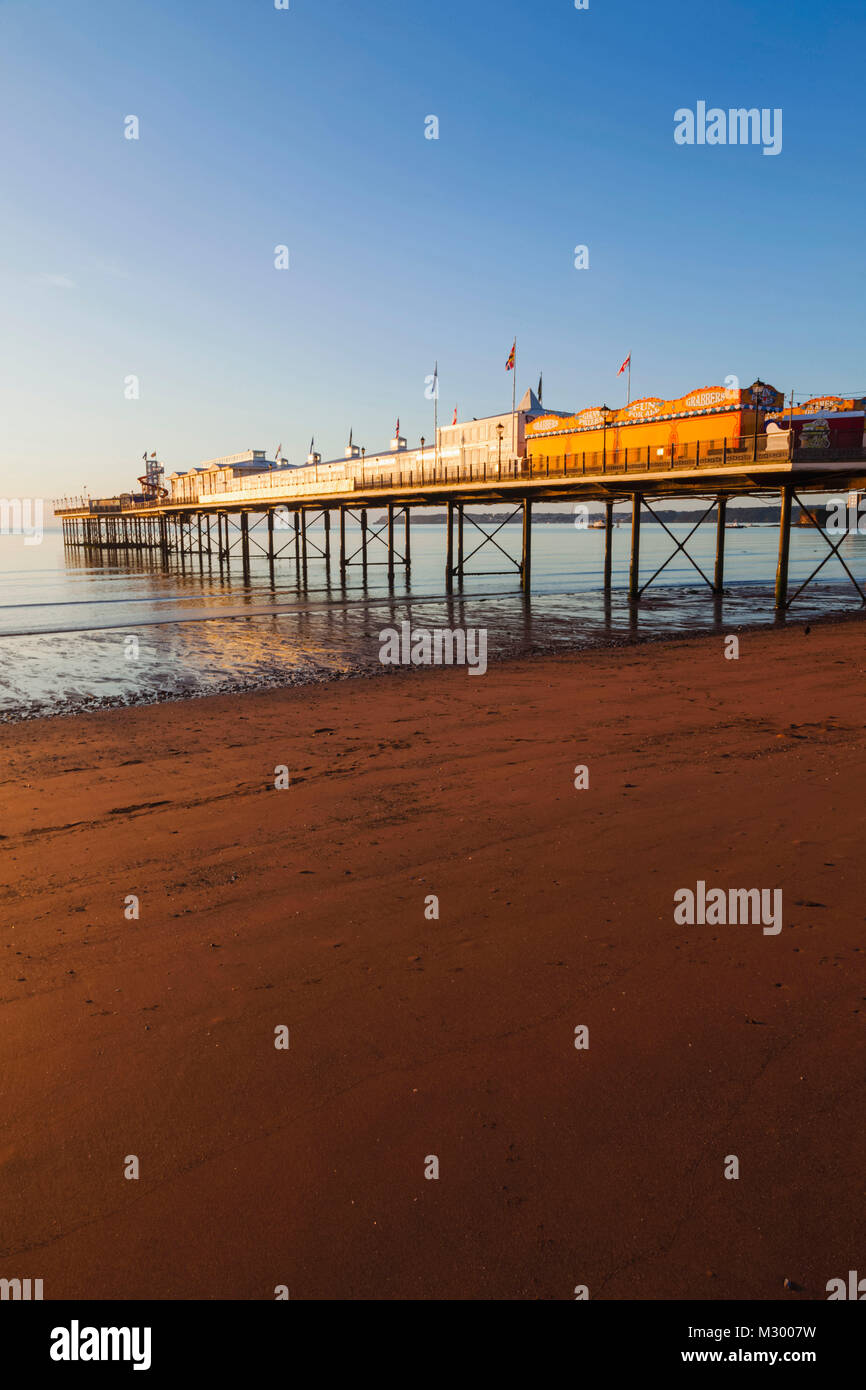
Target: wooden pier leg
326 516
407 538
608 546
198 522
719 575
304 540
296 522
364 540
449 548
271 541
390 540
342 541
634 562
245 543
526 562
460 542
784 550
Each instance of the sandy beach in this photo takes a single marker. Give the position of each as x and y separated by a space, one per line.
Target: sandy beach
412 1037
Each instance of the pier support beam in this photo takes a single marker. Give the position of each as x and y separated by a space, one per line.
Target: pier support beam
608 545
634 561
364 542
459 506
342 541
719 573
407 543
449 548
245 543
390 540
526 560
326 516
784 550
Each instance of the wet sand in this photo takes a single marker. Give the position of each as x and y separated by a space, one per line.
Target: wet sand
452 1037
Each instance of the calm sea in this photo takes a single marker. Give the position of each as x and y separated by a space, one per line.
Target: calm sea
66 621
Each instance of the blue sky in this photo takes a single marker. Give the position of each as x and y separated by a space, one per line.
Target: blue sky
305 127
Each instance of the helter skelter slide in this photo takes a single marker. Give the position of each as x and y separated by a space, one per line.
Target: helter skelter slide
151 479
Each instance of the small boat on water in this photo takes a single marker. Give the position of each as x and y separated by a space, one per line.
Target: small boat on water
597 525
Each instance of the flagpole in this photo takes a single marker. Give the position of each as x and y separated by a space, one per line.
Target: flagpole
628 400
514 404
436 420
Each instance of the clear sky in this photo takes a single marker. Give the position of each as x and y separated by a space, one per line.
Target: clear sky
306 127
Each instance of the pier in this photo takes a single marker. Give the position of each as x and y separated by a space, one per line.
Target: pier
300 515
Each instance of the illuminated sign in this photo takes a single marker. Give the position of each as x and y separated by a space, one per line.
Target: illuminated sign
643 409
824 403
547 422
706 397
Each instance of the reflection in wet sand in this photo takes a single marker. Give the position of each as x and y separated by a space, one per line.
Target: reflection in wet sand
202 629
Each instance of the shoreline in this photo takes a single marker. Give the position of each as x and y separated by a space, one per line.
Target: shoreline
594 643
304 908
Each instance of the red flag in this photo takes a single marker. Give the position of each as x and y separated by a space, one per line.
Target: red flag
509 366
454 421
626 363
397 430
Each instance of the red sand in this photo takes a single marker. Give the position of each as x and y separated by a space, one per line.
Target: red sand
453 1037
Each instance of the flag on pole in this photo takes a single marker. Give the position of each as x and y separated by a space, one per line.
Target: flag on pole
350 438
454 421
509 366
626 363
313 445
277 454
540 374
397 430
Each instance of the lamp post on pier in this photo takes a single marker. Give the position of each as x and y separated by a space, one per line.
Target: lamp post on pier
758 389
606 417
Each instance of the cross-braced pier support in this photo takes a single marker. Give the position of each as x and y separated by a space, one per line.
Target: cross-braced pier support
458 519
383 532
